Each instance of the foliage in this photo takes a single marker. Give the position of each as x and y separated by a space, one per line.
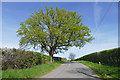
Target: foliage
33 72
107 57
103 71
19 59
64 59
53 31
71 56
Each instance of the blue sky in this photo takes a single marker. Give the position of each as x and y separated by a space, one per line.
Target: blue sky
100 17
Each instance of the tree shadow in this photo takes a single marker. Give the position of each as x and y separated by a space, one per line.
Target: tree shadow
88 75
69 62
84 71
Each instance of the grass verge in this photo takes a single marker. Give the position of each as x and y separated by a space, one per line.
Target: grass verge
103 71
35 71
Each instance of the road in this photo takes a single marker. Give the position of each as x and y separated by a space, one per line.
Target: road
71 70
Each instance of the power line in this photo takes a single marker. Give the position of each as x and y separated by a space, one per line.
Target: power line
102 19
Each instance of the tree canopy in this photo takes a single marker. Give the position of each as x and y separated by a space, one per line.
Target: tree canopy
71 56
54 30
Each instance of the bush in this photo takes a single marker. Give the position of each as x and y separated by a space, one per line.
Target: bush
107 57
19 59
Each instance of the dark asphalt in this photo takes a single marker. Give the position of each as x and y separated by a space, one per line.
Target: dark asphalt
72 70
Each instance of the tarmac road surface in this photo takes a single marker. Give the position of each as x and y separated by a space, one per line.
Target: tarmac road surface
72 70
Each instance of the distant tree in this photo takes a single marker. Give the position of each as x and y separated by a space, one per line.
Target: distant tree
72 56
53 31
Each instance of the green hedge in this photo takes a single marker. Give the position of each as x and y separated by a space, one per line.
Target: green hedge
19 59
107 57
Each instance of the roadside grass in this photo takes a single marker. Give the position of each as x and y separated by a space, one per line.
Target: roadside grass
34 72
103 71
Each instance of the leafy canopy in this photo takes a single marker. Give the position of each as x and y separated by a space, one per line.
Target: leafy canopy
54 30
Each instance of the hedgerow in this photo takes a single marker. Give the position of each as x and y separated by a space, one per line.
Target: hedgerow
107 57
19 59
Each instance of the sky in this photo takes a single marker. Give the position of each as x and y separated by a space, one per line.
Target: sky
100 17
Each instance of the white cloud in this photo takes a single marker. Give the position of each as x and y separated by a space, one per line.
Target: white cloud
10 45
89 48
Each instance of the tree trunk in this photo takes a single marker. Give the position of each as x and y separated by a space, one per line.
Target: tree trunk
51 54
51 58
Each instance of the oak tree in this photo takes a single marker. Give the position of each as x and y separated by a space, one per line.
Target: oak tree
53 30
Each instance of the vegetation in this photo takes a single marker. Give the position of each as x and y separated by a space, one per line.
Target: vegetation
103 71
53 31
107 57
71 56
19 59
33 72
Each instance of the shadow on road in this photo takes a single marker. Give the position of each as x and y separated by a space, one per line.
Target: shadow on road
84 71
88 75
69 62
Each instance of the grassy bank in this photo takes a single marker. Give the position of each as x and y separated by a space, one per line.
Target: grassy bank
103 71
35 71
